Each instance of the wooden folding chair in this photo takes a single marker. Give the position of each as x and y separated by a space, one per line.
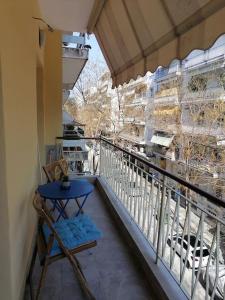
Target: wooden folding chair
64 165
54 242
55 170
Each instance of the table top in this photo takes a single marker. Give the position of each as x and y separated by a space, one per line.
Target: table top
79 188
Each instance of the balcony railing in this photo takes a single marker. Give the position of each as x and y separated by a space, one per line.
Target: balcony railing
183 224
208 94
164 73
134 120
71 52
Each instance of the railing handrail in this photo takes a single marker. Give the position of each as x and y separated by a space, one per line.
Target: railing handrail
210 197
70 137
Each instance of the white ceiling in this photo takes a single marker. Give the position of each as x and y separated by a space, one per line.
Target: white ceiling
67 15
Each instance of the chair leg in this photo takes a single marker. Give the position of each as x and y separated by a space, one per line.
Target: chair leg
45 266
80 276
42 278
29 278
79 266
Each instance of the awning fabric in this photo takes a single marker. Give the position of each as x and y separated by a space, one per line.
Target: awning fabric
162 140
137 36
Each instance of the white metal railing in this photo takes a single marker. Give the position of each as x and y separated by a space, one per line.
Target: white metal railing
183 226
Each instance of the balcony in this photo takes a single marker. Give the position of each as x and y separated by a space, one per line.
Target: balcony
133 120
175 229
110 267
139 99
209 59
162 73
166 100
209 95
74 57
139 140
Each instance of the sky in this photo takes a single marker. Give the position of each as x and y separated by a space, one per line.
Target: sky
95 53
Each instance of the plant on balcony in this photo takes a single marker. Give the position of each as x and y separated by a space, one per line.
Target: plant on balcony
221 80
65 182
197 83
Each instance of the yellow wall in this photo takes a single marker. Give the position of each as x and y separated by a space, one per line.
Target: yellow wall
25 96
52 86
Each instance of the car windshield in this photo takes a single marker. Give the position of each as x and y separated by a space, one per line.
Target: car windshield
184 244
192 240
205 252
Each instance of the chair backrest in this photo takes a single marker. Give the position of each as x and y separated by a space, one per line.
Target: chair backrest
45 217
54 171
64 165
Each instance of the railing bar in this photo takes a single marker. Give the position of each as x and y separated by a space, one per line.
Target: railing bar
194 255
131 188
141 201
217 259
151 204
164 203
208 265
145 205
127 184
155 222
187 221
173 251
201 254
167 213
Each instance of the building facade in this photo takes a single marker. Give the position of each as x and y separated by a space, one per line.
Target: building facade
185 121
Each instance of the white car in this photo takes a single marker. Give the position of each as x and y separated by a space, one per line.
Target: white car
191 260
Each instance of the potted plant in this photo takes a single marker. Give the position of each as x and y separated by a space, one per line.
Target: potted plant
65 182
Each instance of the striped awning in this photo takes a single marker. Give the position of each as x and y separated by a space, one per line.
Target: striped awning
137 36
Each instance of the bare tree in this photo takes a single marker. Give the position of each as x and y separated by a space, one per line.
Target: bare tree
88 79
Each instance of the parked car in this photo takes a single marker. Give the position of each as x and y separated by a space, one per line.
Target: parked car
212 277
205 251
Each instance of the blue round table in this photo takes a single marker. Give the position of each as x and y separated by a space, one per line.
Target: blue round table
53 191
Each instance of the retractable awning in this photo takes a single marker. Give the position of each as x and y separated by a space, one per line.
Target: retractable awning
162 140
137 36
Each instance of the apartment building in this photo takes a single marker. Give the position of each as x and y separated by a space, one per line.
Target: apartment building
134 98
185 122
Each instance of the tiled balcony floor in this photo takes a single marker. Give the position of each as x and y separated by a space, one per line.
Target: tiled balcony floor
110 268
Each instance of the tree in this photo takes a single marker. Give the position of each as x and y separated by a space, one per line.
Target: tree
88 79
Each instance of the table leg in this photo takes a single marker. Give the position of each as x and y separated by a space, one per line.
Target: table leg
59 207
80 206
62 209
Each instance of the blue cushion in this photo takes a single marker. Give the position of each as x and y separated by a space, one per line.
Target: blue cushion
73 232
